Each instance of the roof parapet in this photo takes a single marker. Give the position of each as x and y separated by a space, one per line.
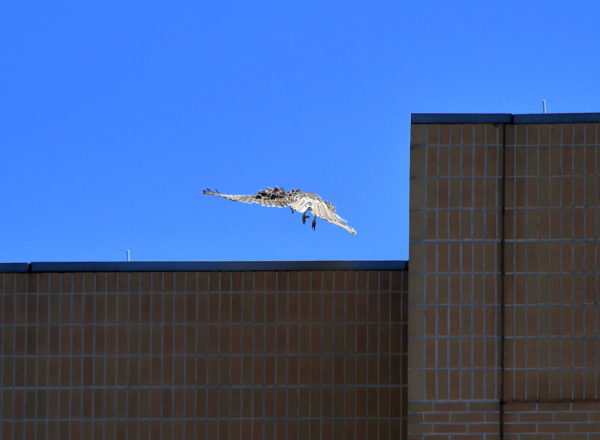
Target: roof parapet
200 266
503 118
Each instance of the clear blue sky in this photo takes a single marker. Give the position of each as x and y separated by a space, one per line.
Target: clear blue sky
115 115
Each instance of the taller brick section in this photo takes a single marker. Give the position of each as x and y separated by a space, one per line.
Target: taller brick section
504 277
552 287
454 300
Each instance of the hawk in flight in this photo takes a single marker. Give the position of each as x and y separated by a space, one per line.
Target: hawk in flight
297 200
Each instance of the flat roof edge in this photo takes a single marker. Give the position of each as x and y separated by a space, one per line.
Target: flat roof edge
14 267
503 118
461 118
200 266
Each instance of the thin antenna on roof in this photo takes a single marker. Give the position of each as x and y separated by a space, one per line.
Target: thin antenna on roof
128 254
544 106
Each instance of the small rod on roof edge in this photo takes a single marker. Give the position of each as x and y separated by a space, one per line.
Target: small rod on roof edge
128 253
544 106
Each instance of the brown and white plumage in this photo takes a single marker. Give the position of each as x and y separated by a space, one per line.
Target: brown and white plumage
297 200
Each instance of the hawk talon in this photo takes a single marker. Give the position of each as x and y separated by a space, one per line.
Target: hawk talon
304 217
314 223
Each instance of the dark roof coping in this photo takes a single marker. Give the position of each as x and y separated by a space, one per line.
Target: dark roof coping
200 266
14 267
503 118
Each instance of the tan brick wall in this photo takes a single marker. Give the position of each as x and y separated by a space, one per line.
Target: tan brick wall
552 262
455 209
504 280
250 355
458 420
552 421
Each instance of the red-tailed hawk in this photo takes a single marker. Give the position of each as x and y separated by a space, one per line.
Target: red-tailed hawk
297 200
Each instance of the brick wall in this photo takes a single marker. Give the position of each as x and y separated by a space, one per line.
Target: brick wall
552 287
504 280
552 421
454 301
251 355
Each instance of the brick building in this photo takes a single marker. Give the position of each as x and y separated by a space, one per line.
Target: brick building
504 283
203 350
492 331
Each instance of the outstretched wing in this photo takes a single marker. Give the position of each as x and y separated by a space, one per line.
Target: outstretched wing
272 198
322 209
